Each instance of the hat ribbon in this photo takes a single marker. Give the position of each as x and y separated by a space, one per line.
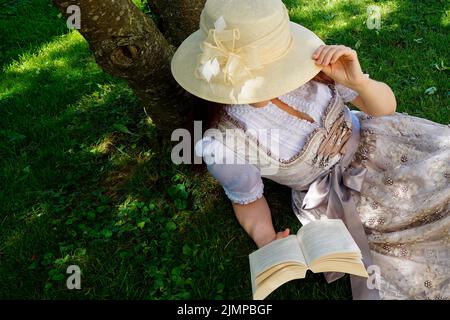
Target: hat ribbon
219 55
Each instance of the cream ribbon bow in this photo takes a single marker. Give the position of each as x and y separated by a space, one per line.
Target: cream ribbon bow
332 192
219 55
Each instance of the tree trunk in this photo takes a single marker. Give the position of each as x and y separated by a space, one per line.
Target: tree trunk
179 18
127 44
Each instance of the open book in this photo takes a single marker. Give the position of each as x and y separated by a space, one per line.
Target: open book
319 246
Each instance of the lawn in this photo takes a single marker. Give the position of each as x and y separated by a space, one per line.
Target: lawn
84 180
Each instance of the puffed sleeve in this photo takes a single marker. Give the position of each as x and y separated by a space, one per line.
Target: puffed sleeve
346 93
242 183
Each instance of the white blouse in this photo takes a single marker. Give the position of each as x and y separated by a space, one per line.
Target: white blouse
242 183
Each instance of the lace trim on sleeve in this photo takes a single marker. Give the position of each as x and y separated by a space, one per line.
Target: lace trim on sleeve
247 198
346 93
242 183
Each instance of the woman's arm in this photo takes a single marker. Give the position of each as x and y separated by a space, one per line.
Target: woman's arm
243 185
256 219
375 98
342 65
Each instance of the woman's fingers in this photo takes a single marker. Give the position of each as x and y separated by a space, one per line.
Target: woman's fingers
345 51
318 51
325 55
322 52
338 54
329 55
282 234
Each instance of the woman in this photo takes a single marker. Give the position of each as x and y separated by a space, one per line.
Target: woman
385 174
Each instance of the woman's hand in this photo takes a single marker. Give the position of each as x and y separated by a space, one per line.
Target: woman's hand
256 219
282 234
341 64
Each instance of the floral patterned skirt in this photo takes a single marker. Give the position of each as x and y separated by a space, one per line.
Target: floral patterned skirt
404 203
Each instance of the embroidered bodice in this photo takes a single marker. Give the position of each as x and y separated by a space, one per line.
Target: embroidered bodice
310 98
242 182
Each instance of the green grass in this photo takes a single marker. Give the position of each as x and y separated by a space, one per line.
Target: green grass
84 181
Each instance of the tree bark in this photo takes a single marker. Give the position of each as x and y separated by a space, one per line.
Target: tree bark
127 44
179 18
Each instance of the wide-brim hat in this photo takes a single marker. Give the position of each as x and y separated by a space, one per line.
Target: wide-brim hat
245 51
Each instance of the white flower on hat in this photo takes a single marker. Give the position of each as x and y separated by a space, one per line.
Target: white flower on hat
210 68
220 24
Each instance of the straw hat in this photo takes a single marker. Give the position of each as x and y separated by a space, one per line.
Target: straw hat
245 51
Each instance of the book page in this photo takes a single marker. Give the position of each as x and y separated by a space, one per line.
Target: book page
274 253
277 279
324 237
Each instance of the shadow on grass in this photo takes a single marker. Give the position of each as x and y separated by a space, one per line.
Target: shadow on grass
91 186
